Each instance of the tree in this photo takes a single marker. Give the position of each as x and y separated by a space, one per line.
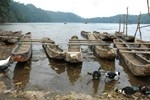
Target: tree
4 9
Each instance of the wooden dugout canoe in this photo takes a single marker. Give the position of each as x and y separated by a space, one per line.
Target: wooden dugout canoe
23 50
53 51
134 57
104 51
74 53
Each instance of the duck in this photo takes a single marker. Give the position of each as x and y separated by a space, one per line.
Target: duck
95 74
128 90
110 75
144 89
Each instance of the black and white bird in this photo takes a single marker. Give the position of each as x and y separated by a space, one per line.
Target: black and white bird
144 89
96 74
128 91
110 75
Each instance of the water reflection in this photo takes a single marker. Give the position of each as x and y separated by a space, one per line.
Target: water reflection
106 64
58 66
73 72
21 74
95 86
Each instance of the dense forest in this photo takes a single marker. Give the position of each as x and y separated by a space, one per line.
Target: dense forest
11 11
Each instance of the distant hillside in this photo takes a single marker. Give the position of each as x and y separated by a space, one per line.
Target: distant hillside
29 13
145 19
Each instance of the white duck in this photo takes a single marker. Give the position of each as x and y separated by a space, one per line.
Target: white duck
5 62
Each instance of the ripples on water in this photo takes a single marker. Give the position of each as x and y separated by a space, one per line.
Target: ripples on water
42 73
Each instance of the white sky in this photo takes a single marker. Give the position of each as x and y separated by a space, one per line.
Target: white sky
91 8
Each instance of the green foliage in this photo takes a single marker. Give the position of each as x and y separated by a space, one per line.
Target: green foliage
4 9
29 13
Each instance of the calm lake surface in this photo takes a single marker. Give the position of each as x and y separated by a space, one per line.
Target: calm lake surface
41 73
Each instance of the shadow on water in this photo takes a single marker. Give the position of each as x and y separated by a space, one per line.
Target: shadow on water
136 80
21 74
73 77
57 66
108 65
73 70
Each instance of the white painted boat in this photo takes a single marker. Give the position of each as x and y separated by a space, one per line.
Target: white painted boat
4 63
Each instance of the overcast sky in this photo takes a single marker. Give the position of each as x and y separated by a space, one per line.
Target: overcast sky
91 8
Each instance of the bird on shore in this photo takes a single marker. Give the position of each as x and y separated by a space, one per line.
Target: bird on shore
128 90
144 89
110 75
96 74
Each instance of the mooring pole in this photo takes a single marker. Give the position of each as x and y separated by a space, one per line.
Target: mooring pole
119 25
127 22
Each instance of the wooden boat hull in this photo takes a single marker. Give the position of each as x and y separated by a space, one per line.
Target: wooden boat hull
74 57
136 63
10 37
104 52
53 51
85 34
74 53
104 36
22 57
23 51
56 53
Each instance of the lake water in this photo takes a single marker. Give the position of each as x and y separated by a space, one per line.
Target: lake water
42 73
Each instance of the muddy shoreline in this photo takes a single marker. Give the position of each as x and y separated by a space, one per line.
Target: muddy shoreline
10 92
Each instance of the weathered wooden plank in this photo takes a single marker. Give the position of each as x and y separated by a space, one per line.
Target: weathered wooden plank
82 40
11 37
36 40
133 48
37 43
142 52
130 43
78 44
